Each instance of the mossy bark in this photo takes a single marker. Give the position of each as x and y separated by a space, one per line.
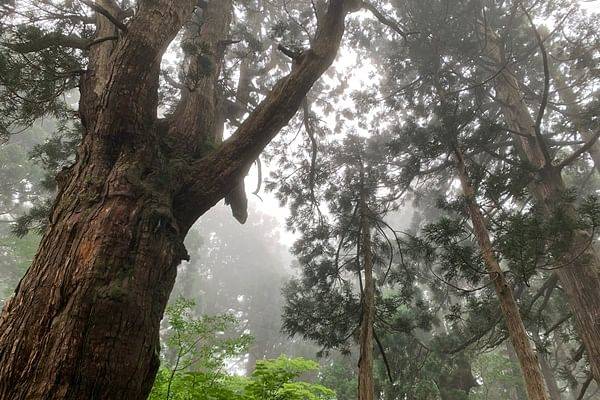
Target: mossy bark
84 321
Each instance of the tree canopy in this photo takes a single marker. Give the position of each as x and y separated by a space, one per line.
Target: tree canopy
436 163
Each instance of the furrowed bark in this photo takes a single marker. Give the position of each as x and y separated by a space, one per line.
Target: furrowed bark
532 374
579 270
83 323
365 362
120 87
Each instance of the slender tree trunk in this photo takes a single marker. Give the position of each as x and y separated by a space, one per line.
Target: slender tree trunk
534 381
366 389
578 270
518 392
83 323
553 388
251 363
547 371
569 364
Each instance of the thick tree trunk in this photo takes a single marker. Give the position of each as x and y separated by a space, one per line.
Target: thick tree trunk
534 380
83 323
579 269
366 389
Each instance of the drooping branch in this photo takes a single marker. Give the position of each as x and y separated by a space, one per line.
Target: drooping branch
557 324
101 40
585 387
308 126
383 357
259 177
172 81
291 53
547 285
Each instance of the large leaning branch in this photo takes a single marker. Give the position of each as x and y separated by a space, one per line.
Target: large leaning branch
390 23
101 10
215 175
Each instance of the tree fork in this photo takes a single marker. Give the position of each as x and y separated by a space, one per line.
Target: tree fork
83 323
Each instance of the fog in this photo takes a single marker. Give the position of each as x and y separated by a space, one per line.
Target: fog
288 200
